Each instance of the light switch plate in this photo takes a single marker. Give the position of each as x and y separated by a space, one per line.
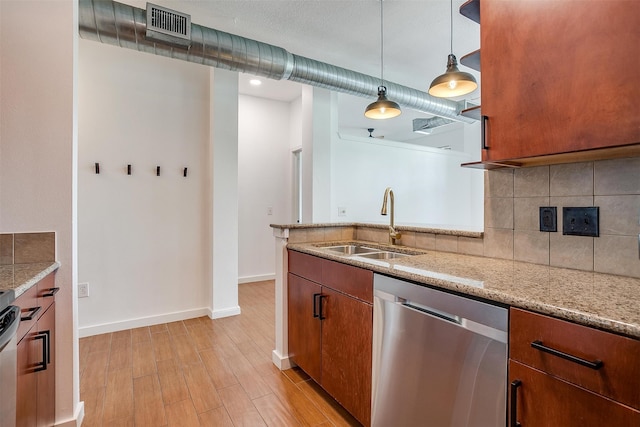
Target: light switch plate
581 221
548 218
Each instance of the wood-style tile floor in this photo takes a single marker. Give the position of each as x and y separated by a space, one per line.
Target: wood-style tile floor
201 372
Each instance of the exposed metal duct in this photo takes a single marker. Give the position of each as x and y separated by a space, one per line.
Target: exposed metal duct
125 26
426 126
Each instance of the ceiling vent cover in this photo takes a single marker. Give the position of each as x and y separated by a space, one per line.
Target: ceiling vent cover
168 25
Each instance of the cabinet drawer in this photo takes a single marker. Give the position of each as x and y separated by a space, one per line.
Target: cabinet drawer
618 377
307 266
350 280
30 310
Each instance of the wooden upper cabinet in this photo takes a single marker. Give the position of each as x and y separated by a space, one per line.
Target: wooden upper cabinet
559 76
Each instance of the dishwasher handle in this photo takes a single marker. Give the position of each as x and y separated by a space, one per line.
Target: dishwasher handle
433 312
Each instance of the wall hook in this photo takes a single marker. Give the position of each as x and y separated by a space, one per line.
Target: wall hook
128 169
157 170
97 168
184 173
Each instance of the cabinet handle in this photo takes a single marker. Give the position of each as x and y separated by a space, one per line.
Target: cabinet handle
321 311
32 312
513 417
483 132
596 364
315 305
50 292
42 366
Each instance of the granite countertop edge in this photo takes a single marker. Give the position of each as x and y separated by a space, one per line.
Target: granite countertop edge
466 286
22 277
432 230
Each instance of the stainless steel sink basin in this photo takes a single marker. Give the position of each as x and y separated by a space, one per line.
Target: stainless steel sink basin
351 249
384 255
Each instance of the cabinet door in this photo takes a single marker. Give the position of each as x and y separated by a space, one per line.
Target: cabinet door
347 333
304 328
29 354
47 376
545 401
559 76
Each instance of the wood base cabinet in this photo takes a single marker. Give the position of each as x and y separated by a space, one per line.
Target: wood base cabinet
36 356
330 321
563 374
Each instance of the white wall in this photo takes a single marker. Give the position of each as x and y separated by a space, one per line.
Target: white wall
429 186
143 241
38 145
263 173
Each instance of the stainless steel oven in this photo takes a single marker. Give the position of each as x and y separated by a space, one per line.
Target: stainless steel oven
9 320
439 359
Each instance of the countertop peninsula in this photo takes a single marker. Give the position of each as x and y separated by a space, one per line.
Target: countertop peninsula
603 301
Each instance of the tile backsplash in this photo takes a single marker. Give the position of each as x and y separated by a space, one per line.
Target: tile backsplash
513 198
26 248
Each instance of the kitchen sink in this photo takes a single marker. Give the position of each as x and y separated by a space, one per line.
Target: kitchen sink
384 255
351 249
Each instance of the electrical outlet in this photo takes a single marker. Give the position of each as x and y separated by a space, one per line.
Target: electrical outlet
548 218
581 221
83 290
269 210
342 211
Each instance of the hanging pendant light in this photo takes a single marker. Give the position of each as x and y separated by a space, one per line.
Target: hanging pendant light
453 82
382 108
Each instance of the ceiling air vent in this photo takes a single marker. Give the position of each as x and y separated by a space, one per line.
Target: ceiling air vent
168 26
426 126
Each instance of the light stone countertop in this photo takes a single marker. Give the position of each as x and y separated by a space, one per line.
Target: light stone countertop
598 300
417 228
21 277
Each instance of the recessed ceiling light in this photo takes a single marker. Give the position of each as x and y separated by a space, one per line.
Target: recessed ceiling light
255 82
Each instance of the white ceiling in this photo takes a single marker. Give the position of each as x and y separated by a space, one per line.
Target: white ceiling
346 33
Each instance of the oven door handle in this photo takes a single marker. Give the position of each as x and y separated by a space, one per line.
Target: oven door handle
9 325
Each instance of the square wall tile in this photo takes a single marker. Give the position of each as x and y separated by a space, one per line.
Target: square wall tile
526 212
446 243
6 249
531 246
34 247
619 176
572 179
617 255
348 233
297 236
498 243
619 215
315 235
498 183
571 251
498 212
408 238
332 234
376 235
471 246
425 241
531 182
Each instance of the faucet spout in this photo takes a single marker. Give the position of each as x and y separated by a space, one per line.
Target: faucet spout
393 234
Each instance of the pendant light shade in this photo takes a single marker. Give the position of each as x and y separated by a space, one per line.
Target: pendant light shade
382 108
453 82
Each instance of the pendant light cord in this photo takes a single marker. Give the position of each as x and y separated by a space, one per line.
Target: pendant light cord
382 45
451 25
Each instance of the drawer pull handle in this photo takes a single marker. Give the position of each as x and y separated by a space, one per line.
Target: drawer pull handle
44 336
596 364
50 292
31 313
514 404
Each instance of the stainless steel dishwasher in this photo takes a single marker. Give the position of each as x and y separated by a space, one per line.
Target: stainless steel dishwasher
439 359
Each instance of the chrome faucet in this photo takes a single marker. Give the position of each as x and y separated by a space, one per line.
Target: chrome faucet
393 234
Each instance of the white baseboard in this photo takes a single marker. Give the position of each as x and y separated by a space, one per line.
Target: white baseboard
87 331
77 419
226 312
283 363
257 278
